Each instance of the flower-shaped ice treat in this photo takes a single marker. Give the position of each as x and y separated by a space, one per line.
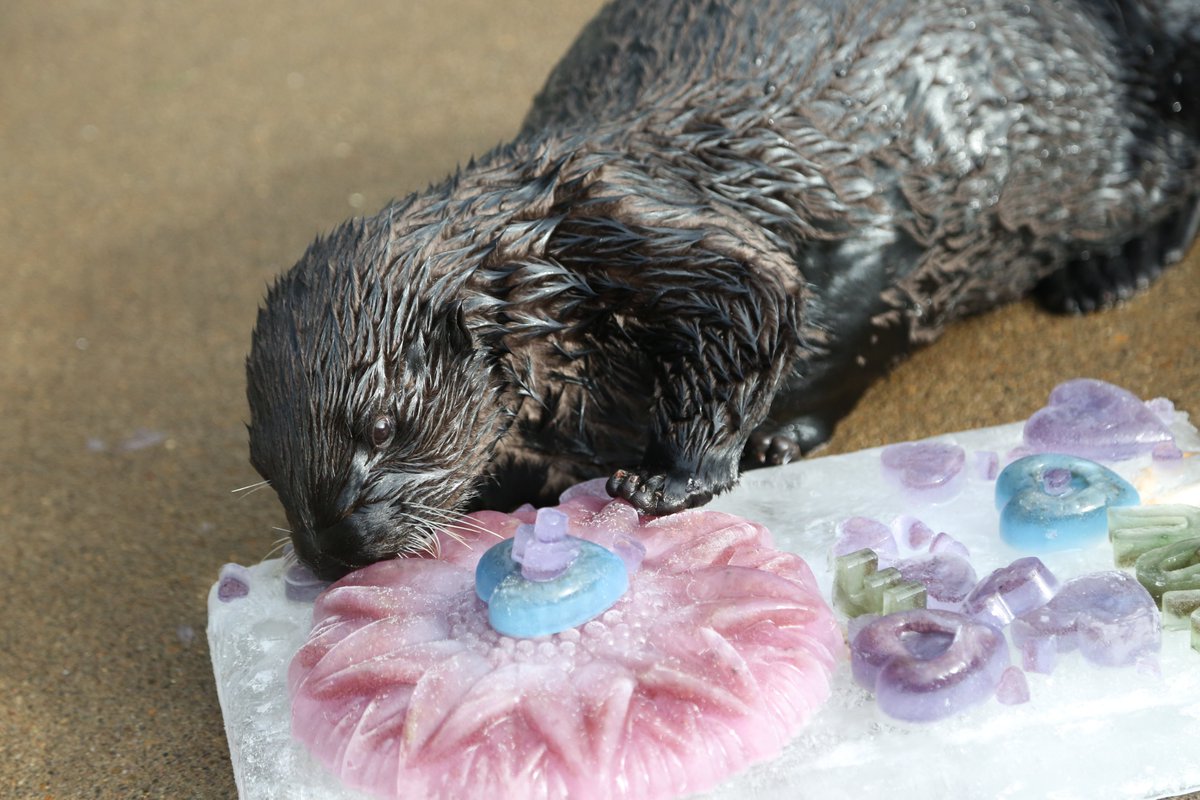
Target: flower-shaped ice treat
719 651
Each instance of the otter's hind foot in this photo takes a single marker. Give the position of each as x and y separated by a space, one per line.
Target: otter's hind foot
764 449
774 445
1100 279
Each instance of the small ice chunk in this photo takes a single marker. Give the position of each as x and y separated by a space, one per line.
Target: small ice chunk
301 585
861 588
1170 568
925 665
630 551
930 470
234 582
1039 654
987 464
857 533
544 550
1056 502
888 592
1014 688
1056 481
186 634
1166 451
914 533
1177 607
1163 408
1140 529
947 577
850 571
526 512
945 543
1011 591
1108 616
141 439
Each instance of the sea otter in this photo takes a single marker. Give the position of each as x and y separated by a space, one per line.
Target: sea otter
720 221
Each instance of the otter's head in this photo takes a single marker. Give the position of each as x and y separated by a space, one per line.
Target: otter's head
374 407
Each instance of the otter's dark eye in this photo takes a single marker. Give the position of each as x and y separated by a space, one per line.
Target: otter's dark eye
382 431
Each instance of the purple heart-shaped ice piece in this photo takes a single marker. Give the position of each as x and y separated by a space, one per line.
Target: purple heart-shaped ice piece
856 533
947 577
930 468
1094 419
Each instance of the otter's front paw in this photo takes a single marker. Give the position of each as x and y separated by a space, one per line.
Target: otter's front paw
657 494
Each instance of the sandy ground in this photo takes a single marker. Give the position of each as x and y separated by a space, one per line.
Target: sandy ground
160 162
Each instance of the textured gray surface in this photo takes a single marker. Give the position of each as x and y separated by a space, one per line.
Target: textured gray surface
160 162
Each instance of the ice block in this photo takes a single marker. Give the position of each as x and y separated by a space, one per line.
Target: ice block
1136 727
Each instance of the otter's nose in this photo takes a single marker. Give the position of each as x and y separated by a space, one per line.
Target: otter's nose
343 546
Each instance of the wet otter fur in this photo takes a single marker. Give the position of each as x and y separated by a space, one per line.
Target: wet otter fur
720 221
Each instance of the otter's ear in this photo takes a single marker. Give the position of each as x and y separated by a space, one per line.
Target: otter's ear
452 328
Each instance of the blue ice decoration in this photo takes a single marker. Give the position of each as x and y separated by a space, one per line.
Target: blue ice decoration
1055 502
543 581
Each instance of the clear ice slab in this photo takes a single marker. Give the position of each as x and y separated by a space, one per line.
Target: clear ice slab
1137 728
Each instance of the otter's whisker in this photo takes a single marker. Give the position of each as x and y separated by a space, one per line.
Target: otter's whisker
434 527
276 546
430 544
434 515
451 519
251 488
431 547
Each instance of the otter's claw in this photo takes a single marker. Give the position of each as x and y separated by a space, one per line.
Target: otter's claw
655 494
